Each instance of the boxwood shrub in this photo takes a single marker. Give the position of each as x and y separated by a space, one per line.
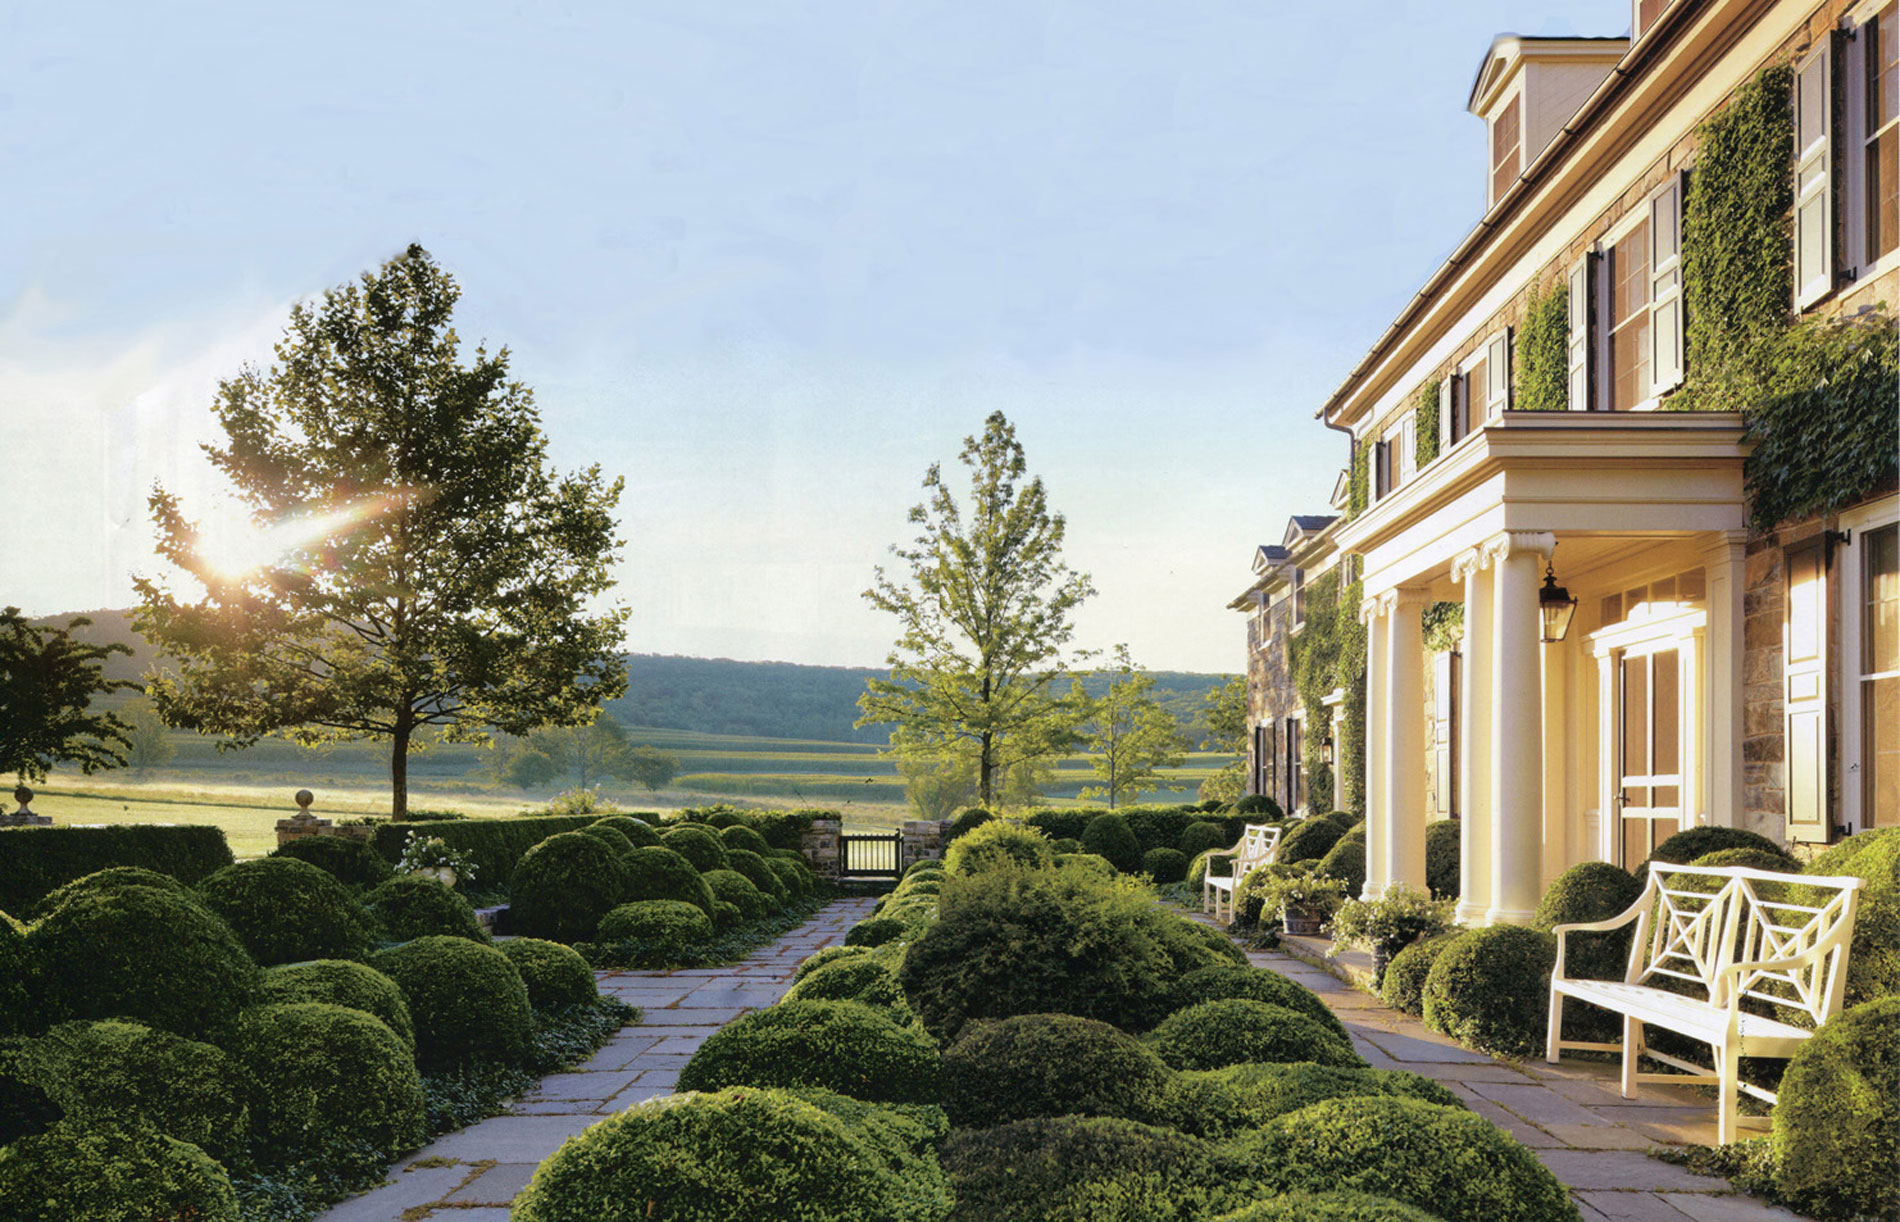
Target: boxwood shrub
1490 988
555 975
842 1046
610 836
325 1076
1345 1206
339 982
1346 861
699 845
1256 805
775 1156
739 836
997 844
1237 1098
760 875
966 822
111 878
111 1175
1837 1126
1164 865
1192 946
665 930
467 1000
797 879
413 906
351 862
1237 1029
830 954
19 1003
736 889
1452 1162
1255 984
494 845
1403 985
661 874
34 861
1085 1169
1873 961
1591 891
639 833
1309 840
124 1074
285 909
1693 842
565 884
1202 835
1442 858
726 917
1108 836
862 979
1051 1065
150 955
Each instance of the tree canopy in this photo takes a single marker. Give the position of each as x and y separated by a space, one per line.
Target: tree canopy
1227 730
418 570
47 682
1130 737
984 619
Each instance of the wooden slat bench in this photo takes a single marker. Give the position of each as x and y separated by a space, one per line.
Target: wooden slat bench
1732 936
1259 844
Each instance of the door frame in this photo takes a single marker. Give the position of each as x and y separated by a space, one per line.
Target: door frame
1685 632
1856 522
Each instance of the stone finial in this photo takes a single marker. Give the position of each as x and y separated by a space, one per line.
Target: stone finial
303 799
23 796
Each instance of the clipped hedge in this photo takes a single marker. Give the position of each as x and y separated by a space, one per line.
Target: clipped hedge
110 879
819 958
995 845
1591 891
1345 1206
285 910
750 864
1234 1030
732 887
19 1005
1403 985
1310 840
841 1046
1346 861
1164 865
1201 836
1490 988
739 836
1254 984
35 860
664 930
414 906
658 873
467 1000
699 845
1052 1065
351 862
323 1076
608 835
640 833
1108 836
1243 1097
339 982
1693 842
861 979
1086 1169
555 975
111 1175
112 1073
1836 1133
565 884
494 845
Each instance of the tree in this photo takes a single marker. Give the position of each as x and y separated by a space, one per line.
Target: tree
147 746
651 767
419 569
1227 731
586 753
1130 736
984 619
47 683
525 766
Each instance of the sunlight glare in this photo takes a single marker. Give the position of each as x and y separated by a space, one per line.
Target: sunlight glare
234 547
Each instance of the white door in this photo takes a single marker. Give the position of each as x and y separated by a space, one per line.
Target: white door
1649 736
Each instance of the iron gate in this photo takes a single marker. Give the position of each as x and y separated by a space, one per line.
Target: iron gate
871 856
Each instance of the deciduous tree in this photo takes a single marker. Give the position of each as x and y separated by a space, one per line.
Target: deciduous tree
1226 721
147 745
651 767
419 569
47 683
1130 737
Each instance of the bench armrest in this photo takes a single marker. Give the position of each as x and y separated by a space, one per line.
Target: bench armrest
1226 855
1621 919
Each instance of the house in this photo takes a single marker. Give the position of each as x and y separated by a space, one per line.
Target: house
1689 254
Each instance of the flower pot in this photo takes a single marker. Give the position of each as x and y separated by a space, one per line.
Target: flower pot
442 874
1302 923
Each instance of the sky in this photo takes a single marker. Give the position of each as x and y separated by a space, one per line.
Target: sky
766 261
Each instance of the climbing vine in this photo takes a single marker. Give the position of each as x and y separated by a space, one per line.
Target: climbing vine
1443 626
1543 357
1425 421
1357 489
1329 653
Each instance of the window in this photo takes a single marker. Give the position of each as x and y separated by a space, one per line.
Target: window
1665 288
1295 771
1629 319
1408 449
1878 44
1506 148
1583 328
1299 597
1381 469
1457 400
1496 382
1869 567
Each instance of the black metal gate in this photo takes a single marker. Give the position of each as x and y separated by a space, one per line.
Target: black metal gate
874 856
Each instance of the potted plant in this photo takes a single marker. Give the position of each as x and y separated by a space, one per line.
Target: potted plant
1301 901
1389 924
432 856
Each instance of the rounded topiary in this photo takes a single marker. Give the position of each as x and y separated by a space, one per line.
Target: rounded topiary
1238 1098
1065 846
467 1000
1110 836
25 1109
111 1175
555 975
658 873
1776 862
1164 865
1452 1162
997 844
564 885
738 1154
830 954
340 982
739 836
732 887
1236 1029
1084 1169
1443 849
638 832
1309 840
126 1074
111 878
877 931
324 1075
664 929
966 822
1837 1125
753 866
1591 891
845 1046
1690 843
351 862
699 845
1490 988
1256 805
19 1003
284 910
1198 838
1873 960
1192 946
610 836
1253 984
1403 985
1346 861
1330 1207
155 956
1052 1065
415 906
860 979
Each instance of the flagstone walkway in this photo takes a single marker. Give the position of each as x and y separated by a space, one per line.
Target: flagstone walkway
472 1174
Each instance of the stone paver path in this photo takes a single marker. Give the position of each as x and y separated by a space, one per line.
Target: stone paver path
473 1174
1571 1115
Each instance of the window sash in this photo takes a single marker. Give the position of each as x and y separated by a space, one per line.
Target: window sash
1880 118
1629 376
1582 345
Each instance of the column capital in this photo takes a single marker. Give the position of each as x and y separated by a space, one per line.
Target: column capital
1468 563
1377 606
1725 546
1519 542
1411 599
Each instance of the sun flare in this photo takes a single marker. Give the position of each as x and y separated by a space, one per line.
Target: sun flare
234 547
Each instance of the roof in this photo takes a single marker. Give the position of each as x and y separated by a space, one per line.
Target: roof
1506 48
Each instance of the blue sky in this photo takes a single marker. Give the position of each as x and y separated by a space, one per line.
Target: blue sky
767 261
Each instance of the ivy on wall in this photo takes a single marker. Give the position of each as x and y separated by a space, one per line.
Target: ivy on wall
1425 421
1358 487
1543 353
1443 626
1330 652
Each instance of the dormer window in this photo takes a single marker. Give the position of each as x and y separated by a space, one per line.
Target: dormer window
1507 147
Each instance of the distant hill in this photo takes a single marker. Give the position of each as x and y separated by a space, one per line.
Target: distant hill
714 695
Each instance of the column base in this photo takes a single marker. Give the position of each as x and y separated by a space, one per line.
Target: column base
1509 916
1470 913
1372 891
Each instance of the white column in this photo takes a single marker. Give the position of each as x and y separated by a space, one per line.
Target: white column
1517 728
1378 834
1405 777
1557 714
1723 563
1474 740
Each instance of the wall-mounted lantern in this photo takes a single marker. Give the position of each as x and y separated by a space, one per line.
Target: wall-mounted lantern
1556 606
1326 750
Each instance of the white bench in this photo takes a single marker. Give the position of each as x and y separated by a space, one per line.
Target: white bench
1733 935
1259 844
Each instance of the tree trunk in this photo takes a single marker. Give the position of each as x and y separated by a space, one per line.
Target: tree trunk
984 766
399 770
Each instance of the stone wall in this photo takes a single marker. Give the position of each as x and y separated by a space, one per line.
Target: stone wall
1764 773
823 847
923 841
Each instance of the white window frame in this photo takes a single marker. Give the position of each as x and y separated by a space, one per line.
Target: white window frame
1884 512
1665 289
1407 466
1856 47
1499 385
1604 376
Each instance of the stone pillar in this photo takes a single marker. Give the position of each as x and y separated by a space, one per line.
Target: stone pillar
1474 739
24 817
823 847
1378 727
922 841
1517 728
1724 563
303 823
1405 780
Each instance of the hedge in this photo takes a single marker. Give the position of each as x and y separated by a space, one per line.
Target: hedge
1240 1098
1254 984
608 835
1837 1125
35 860
111 1175
830 954
351 862
782 829
1164 865
1309 840
19 1007
286 910
841 1046
732 887
1234 1030
494 845
555 976
861 979
1052 1065
326 1078
565 884
109 879
1690 843
1344 1206
1087 1169
699 845
340 982
414 906
467 1000
998 844
1109 836
658 873
750 864
125 1074
1154 827
664 930
638 832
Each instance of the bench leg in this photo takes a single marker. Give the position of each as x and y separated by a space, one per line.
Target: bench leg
1632 1053
1552 1053
1728 1060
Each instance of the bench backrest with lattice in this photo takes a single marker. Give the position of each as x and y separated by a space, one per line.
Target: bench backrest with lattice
1259 843
1778 939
